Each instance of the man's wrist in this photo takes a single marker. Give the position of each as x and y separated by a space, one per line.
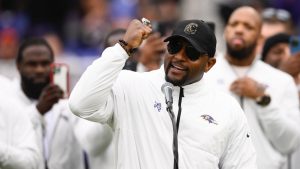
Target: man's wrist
263 99
126 47
260 89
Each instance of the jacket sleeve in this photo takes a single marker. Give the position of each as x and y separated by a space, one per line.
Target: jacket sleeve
20 150
240 152
280 120
92 96
93 137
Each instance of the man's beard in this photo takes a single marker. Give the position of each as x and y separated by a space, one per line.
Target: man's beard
31 89
175 82
241 54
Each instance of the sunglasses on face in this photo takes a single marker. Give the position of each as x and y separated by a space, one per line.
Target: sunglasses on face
174 47
280 14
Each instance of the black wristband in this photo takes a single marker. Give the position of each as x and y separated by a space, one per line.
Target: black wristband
124 45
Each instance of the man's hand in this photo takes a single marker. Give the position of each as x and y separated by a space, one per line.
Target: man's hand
49 96
291 65
247 87
136 33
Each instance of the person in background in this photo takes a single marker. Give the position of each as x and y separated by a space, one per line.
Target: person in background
276 52
76 64
146 130
268 96
276 49
274 21
150 53
291 65
152 50
48 111
18 147
97 139
147 57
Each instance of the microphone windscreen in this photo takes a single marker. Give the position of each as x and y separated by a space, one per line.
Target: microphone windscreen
165 86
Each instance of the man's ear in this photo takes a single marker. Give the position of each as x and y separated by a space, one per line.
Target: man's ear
210 63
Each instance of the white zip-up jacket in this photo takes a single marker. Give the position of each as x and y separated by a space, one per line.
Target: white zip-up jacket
63 149
18 147
97 141
213 131
275 128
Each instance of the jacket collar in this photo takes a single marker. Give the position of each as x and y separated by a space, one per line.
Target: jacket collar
199 87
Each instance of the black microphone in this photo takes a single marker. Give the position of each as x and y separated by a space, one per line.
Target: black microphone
167 89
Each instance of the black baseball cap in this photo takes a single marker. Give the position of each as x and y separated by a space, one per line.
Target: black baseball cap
198 33
272 41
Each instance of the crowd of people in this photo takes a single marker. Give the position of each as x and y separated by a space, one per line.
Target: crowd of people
158 96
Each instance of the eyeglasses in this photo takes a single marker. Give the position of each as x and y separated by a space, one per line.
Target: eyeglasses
174 46
280 14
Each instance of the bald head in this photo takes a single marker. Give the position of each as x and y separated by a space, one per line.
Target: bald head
242 33
249 13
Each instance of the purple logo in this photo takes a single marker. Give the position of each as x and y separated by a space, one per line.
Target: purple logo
157 106
209 119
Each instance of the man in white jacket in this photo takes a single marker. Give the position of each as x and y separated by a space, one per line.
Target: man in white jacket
53 122
18 147
211 130
97 141
267 95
